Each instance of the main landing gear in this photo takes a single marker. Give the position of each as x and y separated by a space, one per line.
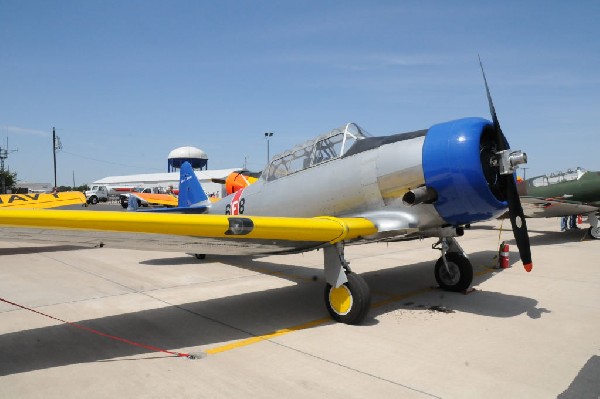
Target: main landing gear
347 295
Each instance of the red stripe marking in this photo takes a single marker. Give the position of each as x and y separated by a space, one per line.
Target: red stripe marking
235 202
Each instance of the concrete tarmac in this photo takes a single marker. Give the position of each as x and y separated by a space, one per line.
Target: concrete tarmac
258 327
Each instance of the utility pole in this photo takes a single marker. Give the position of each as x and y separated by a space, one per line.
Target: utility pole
3 156
56 145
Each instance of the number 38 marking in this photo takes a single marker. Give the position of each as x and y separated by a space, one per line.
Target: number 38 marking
236 207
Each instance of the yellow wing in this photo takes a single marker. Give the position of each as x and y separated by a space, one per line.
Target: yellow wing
157 199
36 201
220 234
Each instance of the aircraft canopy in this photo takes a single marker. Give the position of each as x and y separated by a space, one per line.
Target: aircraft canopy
323 148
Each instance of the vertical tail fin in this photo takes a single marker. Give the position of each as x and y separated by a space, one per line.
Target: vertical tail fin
191 192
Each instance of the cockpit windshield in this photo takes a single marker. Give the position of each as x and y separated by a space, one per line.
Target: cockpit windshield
322 149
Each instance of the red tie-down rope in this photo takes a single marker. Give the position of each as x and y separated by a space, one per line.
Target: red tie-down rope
79 326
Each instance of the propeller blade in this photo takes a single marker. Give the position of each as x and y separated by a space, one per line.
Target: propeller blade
501 139
515 210
517 221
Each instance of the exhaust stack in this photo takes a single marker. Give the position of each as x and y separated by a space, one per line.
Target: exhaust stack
420 195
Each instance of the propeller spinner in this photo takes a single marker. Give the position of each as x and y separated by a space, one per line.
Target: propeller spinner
507 162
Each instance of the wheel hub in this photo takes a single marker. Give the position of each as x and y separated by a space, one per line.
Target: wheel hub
340 300
450 276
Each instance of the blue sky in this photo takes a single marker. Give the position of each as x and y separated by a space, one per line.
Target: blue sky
125 82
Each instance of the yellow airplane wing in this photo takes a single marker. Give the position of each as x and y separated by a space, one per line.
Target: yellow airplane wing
157 199
222 234
35 201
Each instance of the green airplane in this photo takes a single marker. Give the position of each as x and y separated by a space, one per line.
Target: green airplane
574 192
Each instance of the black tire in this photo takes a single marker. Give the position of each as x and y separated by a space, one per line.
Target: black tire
200 256
461 273
124 203
594 232
93 200
350 302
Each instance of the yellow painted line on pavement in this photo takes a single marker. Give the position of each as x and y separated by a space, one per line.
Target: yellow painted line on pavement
260 338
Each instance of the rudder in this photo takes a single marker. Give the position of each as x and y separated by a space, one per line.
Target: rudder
191 192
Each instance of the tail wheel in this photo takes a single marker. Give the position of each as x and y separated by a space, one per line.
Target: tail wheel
350 302
459 275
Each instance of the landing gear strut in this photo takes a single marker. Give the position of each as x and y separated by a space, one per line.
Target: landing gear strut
347 295
453 270
594 229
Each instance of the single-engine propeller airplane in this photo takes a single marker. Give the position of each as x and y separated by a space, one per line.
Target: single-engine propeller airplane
340 188
572 192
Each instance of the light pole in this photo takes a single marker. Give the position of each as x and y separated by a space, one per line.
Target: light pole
267 135
56 145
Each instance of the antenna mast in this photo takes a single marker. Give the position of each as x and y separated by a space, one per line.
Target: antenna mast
3 155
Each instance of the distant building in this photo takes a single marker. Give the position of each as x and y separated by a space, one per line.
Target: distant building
195 156
25 187
123 183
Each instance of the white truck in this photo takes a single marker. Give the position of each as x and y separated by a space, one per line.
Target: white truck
97 194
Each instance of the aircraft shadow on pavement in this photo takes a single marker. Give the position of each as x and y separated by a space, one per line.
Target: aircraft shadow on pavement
40 249
560 237
542 238
171 261
211 322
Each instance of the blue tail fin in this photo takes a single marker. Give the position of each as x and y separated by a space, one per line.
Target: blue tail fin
191 192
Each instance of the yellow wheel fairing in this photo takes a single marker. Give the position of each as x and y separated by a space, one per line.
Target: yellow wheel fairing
341 300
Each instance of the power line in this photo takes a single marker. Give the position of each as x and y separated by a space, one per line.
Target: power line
109 162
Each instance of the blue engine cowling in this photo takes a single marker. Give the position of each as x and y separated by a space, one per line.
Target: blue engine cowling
456 158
